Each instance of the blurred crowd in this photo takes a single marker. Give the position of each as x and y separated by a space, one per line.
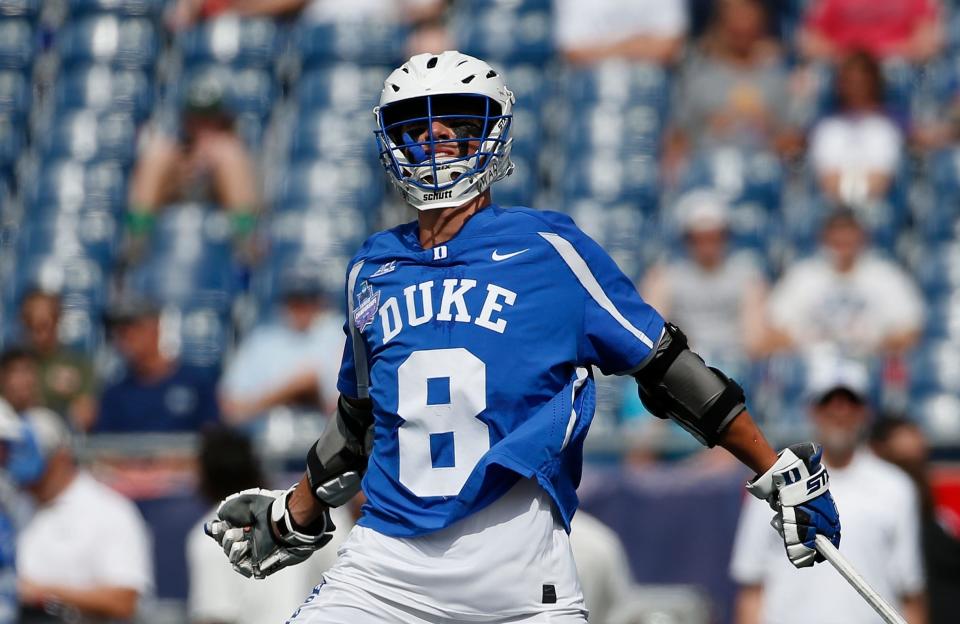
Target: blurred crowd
182 184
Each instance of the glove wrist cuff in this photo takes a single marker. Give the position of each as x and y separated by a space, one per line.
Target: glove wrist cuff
289 532
763 486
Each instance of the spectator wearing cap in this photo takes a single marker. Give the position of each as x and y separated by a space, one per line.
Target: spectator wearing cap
881 536
649 31
156 393
903 443
715 296
85 553
206 161
906 29
844 297
291 361
218 595
67 380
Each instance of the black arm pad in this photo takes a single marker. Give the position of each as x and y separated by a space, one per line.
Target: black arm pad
337 460
675 383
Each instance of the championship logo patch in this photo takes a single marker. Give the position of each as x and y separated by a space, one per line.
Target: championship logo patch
368 302
389 267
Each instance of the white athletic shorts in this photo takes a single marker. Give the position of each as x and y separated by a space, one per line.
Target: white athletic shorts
510 562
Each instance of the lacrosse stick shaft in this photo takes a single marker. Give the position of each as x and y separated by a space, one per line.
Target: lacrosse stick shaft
826 548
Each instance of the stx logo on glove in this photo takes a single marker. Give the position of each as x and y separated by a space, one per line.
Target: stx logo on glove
817 482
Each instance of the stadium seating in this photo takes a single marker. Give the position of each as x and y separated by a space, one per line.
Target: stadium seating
247 43
121 43
102 88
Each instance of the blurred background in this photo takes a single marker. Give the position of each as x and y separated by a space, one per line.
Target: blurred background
182 184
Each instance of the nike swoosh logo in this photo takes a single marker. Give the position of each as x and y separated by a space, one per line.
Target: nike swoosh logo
499 258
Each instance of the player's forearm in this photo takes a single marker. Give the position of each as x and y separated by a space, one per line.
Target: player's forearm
744 440
303 505
915 609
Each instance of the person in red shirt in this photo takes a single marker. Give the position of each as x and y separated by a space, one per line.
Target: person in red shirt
908 29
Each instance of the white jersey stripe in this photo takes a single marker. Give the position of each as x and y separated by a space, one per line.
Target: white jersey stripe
582 374
583 274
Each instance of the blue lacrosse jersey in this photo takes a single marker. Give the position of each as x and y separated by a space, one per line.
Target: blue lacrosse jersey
478 357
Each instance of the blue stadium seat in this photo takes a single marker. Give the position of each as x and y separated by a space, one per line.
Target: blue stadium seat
755 177
18 44
190 232
936 268
343 87
331 134
92 235
943 318
101 88
88 136
615 130
251 43
631 237
333 231
938 414
12 141
14 94
504 32
935 367
27 9
128 43
328 269
528 83
368 43
355 185
942 221
70 184
205 332
617 82
128 8
613 180
519 188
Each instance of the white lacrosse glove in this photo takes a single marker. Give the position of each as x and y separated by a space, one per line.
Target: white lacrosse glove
797 488
258 535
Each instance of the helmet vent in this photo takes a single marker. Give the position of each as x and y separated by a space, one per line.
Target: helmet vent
468 79
432 62
462 62
405 70
491 74
394 87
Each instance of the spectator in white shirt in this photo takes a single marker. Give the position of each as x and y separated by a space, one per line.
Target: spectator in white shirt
855 152
845 297
640 30
218 595
880 534
85 554
290 362
717 297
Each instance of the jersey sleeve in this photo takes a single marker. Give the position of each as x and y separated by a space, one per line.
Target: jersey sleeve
353 378
619 328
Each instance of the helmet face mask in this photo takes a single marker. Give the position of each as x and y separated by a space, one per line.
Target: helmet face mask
442 142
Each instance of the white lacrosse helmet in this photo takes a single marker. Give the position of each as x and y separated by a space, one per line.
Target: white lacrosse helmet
467 96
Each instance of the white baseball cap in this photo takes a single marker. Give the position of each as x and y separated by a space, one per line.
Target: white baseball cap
702 209
826 375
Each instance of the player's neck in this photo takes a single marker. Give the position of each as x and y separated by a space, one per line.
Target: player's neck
439 226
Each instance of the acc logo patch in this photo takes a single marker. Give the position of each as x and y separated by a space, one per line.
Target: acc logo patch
368 301
389 267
